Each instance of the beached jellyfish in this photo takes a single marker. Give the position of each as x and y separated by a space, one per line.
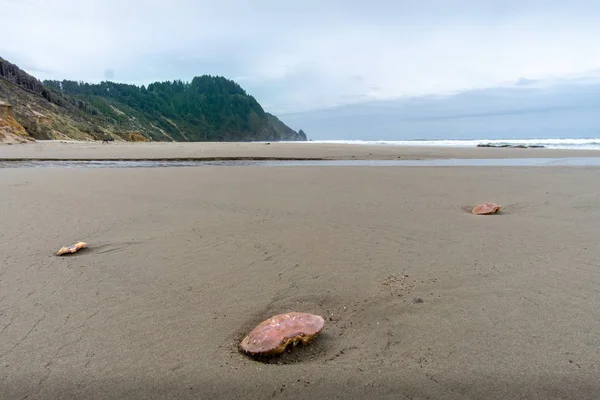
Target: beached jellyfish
275 334
486 209
71 249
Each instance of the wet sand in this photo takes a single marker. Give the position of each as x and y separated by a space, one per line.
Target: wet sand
168 151
184 261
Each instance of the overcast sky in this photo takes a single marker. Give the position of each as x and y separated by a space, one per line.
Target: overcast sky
557 108
303 55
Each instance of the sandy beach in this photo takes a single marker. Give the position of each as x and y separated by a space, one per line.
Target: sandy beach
183 262
172 150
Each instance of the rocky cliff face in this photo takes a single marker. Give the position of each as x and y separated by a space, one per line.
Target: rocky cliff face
45 113
10 130
66 111
286 133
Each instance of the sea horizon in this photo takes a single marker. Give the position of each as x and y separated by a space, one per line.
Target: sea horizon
551 143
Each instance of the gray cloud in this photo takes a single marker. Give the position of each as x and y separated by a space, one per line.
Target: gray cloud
295 56
548 109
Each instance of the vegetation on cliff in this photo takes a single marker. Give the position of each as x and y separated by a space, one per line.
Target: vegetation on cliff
209 108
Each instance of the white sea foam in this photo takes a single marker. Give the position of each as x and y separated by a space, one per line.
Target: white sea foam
583 144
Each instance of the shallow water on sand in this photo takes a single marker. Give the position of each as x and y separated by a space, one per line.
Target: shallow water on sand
456 162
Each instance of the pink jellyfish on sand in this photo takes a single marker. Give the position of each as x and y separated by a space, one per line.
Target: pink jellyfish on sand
486 209
272 336
71 249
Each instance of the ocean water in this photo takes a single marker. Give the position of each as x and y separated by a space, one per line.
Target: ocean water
578 144
456 162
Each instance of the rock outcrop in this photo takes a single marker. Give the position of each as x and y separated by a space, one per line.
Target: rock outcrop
10 130
511 146
285 132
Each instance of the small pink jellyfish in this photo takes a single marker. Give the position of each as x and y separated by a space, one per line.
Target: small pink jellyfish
272 336
486 209
71 249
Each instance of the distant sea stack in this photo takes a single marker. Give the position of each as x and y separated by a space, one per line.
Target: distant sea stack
209 108
285 132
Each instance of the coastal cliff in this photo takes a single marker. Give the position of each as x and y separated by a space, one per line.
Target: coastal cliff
209 108
10 130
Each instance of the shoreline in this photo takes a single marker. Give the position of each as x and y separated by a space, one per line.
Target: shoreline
231 151
271 162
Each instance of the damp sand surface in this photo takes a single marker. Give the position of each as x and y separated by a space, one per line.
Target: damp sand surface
421 298
73 150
